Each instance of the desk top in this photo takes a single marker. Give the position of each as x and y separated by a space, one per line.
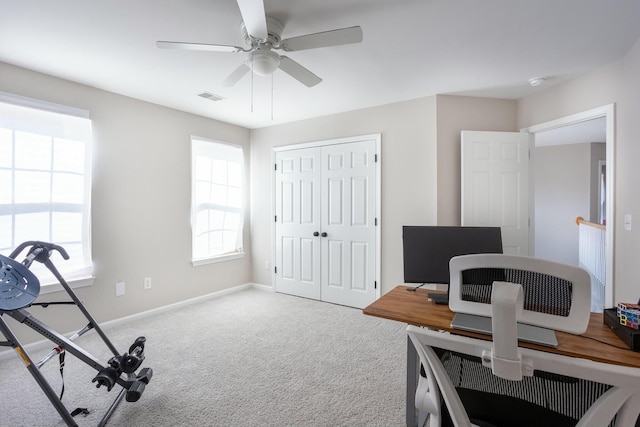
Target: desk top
599 343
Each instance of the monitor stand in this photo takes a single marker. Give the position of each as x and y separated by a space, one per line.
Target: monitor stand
527 333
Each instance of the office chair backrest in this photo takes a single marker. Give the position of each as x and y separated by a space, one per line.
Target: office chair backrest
556 296
497 383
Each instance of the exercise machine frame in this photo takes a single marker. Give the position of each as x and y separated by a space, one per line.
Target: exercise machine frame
120 369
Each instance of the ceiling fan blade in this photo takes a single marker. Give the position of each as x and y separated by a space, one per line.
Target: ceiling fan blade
198 46
298 72
254 18
236 75
325 39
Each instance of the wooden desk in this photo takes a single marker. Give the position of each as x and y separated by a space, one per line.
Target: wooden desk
598 344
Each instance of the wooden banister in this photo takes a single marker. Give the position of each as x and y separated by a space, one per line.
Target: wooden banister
580 220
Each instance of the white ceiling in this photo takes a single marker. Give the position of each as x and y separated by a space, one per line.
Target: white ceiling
411 49
594 130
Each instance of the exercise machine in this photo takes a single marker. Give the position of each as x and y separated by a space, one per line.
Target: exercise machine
19 288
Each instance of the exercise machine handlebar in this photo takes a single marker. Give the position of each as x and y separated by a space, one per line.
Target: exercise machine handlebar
40 251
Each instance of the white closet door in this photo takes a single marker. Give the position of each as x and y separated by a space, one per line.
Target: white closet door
348 220
326 239
297 219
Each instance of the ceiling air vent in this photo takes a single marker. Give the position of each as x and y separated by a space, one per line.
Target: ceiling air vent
211 96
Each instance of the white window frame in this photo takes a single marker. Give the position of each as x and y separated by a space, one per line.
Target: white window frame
219 150
54 126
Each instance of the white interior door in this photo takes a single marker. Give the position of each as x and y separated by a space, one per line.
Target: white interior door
326 236
495 185
348 223
297 250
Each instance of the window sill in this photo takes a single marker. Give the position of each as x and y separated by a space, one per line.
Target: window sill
79 282
220 258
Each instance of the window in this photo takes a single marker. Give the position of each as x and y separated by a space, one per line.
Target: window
217 215
45 182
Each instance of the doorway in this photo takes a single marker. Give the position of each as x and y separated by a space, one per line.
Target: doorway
605 113
566 186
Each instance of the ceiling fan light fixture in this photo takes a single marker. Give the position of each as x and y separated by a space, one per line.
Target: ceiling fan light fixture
264 62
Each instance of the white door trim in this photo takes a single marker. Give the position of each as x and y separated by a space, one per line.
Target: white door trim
607 111
321 143
377 137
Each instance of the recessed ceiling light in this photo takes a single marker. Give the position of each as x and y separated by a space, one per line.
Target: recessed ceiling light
536 81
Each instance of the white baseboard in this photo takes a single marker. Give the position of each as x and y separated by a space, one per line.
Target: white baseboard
262 287
43 344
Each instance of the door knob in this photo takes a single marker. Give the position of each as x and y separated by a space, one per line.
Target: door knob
324 234
316 234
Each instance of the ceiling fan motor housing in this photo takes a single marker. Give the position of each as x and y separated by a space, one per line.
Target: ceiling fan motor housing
262 60
274 33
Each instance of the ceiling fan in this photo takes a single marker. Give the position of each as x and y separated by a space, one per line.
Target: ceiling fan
263 35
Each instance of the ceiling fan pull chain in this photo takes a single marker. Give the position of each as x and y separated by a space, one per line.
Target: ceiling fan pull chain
252 75
271 97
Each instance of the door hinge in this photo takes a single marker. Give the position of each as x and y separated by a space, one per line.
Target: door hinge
375 284
275 166
375 222
375 158
275 270
275 218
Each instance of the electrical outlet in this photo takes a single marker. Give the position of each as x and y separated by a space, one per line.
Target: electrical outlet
147 282
119 289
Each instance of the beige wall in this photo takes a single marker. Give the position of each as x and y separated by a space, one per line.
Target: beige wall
455 114
617 83
408 163
562 189
601 87
627 181
420 165
140 200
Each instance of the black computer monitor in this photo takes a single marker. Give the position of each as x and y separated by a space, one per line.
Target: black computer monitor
428 249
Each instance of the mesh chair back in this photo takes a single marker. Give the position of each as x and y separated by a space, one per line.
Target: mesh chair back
543 399
543 293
